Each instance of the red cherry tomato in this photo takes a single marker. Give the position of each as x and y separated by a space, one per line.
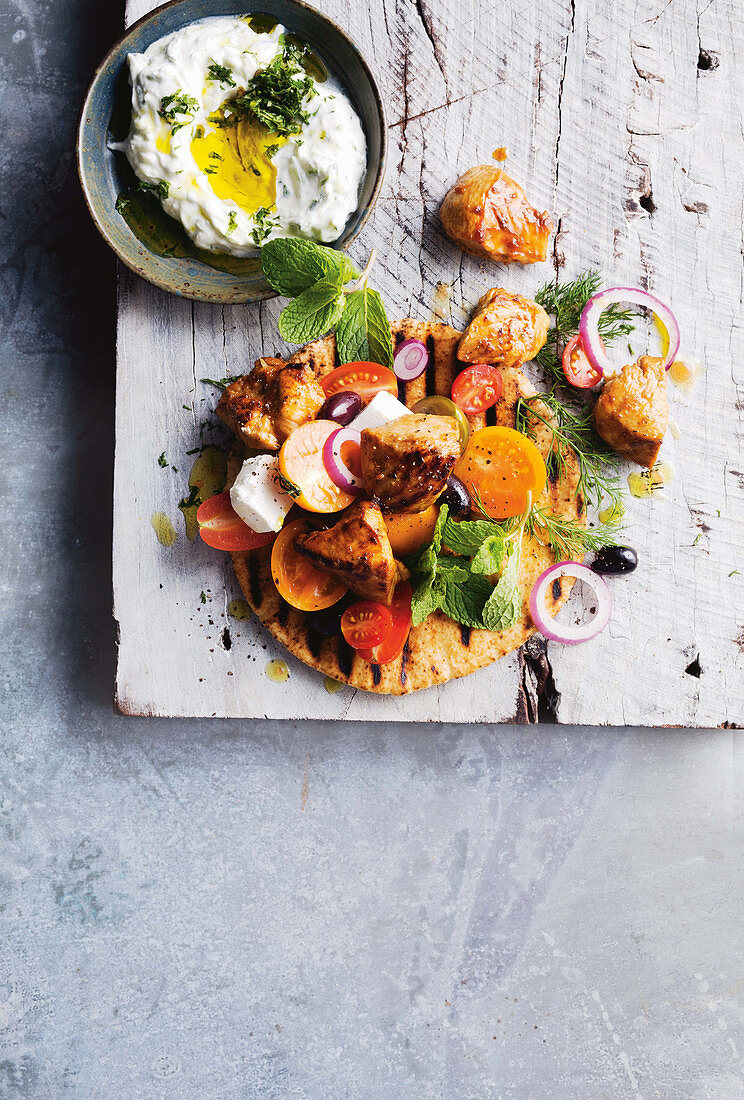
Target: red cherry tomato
221 527
366 379
578 370
477 388
366 624
391 647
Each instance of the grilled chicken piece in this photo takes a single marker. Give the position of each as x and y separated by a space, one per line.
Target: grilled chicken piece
357 550
506 328
632 413
265 406
487 213
406 463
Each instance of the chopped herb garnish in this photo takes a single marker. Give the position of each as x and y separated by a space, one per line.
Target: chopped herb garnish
215 156
192 499
221 74
275 95
289 486
194 451
202 597
270 150
734 573
161 188
264 222
232 222
221 384
162 460
209 171
177 103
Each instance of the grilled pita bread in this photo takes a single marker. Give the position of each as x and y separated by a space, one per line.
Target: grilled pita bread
439 649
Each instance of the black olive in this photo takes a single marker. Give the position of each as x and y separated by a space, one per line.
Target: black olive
456 497
341 407
615 559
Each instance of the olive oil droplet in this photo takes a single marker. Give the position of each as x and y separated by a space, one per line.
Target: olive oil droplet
650 481
332 686
277 671
163 528
239 609
612 512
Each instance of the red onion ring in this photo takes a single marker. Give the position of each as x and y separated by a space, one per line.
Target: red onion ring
565 632
338 471
410 360
598 303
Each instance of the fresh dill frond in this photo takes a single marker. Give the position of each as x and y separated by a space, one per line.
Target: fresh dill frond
573 431
565 303
221 74
567 539
275 95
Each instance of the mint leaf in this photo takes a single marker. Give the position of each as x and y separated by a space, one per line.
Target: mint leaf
292 265
465 603
450 571
425 601
467 536
312 314
363 333
504 605
427 592
489 557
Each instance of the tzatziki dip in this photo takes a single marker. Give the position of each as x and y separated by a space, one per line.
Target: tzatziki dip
237 139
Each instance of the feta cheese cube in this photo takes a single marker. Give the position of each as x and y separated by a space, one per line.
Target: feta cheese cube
381 410
257 496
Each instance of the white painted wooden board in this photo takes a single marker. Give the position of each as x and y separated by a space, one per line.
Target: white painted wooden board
625 120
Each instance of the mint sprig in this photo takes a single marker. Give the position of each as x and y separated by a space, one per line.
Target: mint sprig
457 582
316 277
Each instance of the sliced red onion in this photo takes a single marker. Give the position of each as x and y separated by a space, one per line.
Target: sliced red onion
410 360
338 471
598 303
567 633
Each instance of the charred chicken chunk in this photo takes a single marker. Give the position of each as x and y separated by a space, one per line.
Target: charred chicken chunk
488 214
265 406
356 550
506 328
406 463
632 413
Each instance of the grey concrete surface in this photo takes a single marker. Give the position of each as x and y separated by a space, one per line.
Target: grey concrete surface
223 910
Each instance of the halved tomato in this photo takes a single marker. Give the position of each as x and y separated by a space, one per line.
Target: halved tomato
477 388
366 624
409 531
578 370
363 378
499 467
221 527
297 580
391 647
301 463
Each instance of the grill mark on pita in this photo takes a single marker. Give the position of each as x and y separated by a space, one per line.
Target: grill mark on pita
404 658
376 673
579 504
336 359
491 417
431 366
255 581
282 612
314 641
345 657
465 635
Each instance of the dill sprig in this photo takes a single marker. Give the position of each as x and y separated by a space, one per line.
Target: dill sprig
275 95
567 539
573 431
565 302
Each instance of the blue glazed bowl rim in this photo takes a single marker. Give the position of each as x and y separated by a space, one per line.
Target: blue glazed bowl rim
144 270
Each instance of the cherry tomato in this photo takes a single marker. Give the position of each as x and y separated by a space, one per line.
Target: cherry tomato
366 624
392 646
500 466
363 378
577 368
477 388
297 580
409 531
301 462
221 527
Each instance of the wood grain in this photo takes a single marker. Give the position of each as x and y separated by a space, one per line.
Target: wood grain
626 122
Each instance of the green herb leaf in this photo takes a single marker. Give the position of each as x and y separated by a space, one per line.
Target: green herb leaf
466 536
274 96
221 74
465 603
221 383
363 333
288 486
489 558
292 264
232 222
265 220
177 104
504 605
312 314
162 461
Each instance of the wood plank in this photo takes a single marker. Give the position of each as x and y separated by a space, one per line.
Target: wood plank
592 120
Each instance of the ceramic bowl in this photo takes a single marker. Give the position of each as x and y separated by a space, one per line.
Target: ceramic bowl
104 174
